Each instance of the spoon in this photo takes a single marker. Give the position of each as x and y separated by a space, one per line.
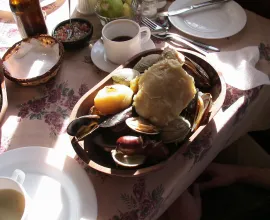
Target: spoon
70 31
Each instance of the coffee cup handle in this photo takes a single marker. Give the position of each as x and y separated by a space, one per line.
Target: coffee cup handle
147 36
18 176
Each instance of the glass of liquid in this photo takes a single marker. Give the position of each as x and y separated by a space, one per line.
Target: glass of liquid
149 8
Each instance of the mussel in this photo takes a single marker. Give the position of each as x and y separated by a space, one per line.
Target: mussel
201 78
81 123
85 125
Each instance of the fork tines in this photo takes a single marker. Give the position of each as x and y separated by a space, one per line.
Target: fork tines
147 22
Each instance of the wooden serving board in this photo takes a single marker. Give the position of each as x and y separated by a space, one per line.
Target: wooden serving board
98 159
3 94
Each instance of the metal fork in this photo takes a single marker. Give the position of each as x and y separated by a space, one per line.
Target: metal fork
159 32
152 25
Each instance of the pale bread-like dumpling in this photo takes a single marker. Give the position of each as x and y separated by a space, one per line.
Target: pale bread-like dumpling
165 89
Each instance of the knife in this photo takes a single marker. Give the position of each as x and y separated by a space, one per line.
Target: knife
189 8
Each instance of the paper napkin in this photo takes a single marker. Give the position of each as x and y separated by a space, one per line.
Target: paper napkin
238 67
32 59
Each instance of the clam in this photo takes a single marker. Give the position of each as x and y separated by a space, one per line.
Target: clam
176 131
124 76
169 53
85 125
127 161
141 125
146 62
208 101
130 145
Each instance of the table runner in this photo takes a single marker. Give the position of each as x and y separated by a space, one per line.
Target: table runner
38 116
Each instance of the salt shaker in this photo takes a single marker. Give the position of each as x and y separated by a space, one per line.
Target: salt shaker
149 8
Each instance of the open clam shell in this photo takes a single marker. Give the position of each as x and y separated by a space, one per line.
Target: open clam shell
141 125
127 161
204 106
146 62
176 131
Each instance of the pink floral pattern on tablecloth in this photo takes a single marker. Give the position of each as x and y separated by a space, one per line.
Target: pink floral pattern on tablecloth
233 94
140 203
54 106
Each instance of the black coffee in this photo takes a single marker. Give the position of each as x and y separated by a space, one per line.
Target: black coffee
121 38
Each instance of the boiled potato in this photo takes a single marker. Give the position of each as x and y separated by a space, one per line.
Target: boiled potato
113 99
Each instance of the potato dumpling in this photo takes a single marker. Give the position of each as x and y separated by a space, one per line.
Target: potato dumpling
113 99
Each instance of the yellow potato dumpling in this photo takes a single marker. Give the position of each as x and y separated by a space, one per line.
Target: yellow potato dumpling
113 99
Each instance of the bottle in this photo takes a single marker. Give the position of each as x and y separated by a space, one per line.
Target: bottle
29 17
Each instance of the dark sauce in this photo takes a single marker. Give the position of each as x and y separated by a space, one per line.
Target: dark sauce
122 38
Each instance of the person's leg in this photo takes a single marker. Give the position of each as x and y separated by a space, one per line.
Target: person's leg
238 201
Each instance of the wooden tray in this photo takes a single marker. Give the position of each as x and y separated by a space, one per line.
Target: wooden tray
3 95
99 160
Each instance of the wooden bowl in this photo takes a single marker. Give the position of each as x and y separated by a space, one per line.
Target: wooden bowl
102 161
3 95
46 40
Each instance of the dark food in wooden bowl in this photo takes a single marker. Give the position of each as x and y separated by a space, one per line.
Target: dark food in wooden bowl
175 95
74 35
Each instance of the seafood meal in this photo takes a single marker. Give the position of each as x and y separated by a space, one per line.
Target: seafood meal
148 111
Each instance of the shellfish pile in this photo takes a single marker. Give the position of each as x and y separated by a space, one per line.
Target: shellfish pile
148 109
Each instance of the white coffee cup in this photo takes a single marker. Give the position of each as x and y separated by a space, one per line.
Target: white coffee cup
15 183
119 52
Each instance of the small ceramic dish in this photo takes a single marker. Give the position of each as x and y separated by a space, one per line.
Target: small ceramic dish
74 36
46 41
104 20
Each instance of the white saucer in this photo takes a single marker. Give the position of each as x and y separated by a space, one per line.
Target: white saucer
58 187
97 55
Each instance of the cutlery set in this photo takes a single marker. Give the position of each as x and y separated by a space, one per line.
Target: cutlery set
163 33
160 32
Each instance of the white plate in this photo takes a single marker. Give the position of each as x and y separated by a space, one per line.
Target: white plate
57 185
213 22
97 55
